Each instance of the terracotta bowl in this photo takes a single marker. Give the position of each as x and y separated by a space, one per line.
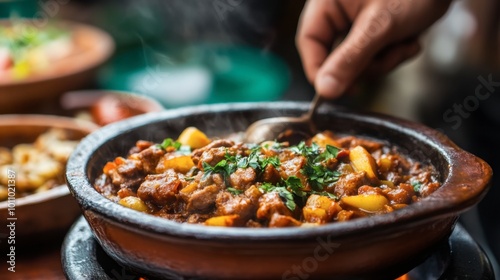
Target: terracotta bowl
107 106
40 215
93 47
382 247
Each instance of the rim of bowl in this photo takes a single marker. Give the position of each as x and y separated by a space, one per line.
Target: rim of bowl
467 182
49 121
57 191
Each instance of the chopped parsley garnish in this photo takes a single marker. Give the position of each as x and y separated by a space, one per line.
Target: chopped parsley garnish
257 160
417 186
295 186
330 195
318 174
329 153
169 142
287 189
283 192
223 167
288 196
234 191
291 189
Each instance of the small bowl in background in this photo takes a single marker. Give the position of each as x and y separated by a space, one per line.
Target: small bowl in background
106 106
41 215
92 48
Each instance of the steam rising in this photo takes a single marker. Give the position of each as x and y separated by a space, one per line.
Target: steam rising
182 69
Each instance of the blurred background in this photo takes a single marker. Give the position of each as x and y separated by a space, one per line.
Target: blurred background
188 52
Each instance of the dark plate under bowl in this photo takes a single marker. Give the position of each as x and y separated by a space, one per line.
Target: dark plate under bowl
382 246
460 255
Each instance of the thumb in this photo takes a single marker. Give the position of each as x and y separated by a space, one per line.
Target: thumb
344 64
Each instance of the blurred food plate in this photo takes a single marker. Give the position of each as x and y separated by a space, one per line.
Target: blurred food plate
41 59
205 73
33 154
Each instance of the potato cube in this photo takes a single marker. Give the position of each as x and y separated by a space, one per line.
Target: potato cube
186 192
320 209
222 221
362 160
193 138
366 202
180 163
133 202
323 139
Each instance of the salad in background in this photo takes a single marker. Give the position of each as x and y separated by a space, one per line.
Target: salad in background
26 50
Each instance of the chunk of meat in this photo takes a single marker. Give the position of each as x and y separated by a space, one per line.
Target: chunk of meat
348 184
403 194
104 186
429 183
140 146
395 178
212 156
196 154
160 188
125 192
271 174
271 203
128 174
129 167
254 193
345 215
150 158
351 141
228 204
366 189
242 178
429 188
291 165
203 200
278 220
219 181
424 177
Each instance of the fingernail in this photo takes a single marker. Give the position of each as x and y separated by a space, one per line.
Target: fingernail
328 86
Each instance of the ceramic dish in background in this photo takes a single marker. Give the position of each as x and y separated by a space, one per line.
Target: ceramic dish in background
91 48
383 246
39 215
106 106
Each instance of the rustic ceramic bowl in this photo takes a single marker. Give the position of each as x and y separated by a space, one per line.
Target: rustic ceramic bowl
107 106
40 215
382 247
93 47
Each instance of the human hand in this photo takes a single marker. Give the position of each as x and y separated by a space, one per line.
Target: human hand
381 35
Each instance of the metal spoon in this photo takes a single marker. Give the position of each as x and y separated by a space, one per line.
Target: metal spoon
284 128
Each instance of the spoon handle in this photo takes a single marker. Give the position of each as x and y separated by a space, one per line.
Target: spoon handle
315 103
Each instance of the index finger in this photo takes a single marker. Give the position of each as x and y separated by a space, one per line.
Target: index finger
315 35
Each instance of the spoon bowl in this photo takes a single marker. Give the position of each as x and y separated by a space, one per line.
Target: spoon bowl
290 129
